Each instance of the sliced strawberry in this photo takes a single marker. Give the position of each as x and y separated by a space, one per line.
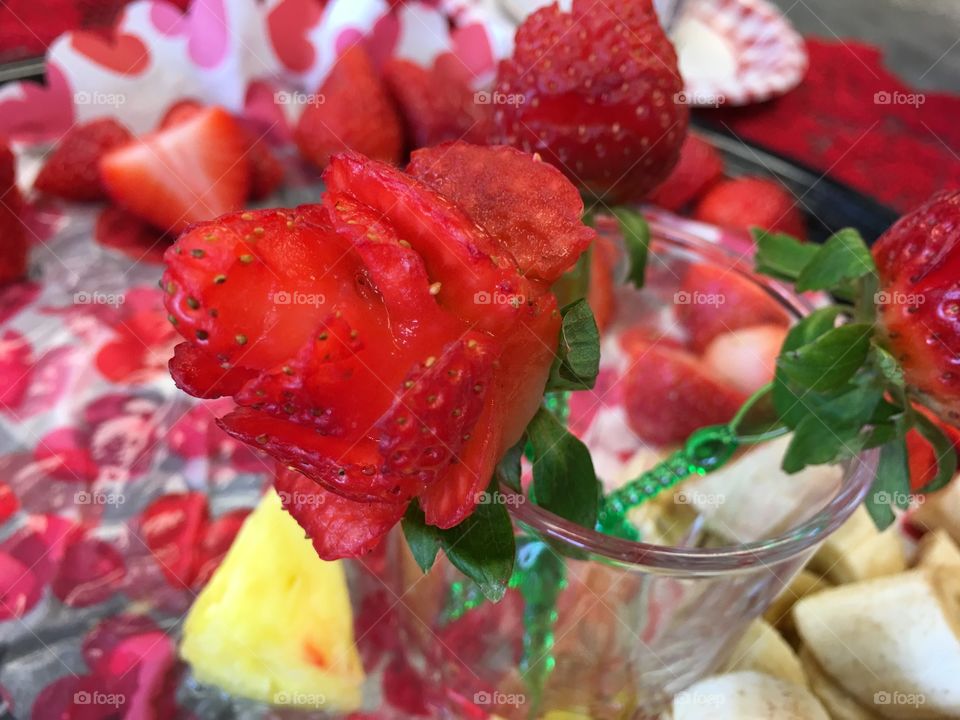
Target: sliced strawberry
457 253
339 528
713 300
350 468
198 374
266 172
668 394
172 526
750 202
353 112
594 91
636 339
922 459
746 358
436 409
601 295
437 104
448 502
700 165
194 170
527 205
71 170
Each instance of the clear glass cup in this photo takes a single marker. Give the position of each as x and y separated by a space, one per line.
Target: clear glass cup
636 623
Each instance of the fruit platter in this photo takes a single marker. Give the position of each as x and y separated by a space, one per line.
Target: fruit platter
419 359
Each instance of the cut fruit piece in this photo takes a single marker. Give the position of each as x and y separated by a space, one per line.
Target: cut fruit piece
762 649
756 480
193 170
891 637
746 358
938 549
275 623
714 300
527 205
351 111
71 170
780 612
940 510
858 551
749 202
743 695
669 393
700 165
834 698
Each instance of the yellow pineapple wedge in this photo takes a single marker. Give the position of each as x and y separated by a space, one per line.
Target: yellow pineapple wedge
274 624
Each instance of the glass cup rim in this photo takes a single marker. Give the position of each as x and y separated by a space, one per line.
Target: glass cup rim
858 474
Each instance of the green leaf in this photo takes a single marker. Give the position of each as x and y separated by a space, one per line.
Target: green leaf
892 483
836 428
483 548
636 238
817 323
829 361
564 481
842 258
781 256
577 362
888 366
508 469
943 450
422 539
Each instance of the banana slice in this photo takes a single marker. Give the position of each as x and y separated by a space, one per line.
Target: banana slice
746 696
761 649
938 549
778 501
834 698
941 510
858 551
779 613
893 643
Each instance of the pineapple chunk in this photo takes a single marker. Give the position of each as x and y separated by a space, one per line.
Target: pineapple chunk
275 624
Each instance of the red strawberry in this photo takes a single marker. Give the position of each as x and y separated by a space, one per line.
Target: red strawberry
13 233
72 170
192 171
337 526
352 112
922 459
713 300
594 91
437 104
360 341
491 184
700 166
668 394
266 172
172 527
749 202
918 261
601 295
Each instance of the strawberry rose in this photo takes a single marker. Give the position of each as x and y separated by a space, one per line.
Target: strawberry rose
389 343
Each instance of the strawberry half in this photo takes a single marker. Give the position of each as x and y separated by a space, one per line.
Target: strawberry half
669 393
594 90
700 166
491 184
437 104
749 202
191 171
72 170
352 111
713 300
918 261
